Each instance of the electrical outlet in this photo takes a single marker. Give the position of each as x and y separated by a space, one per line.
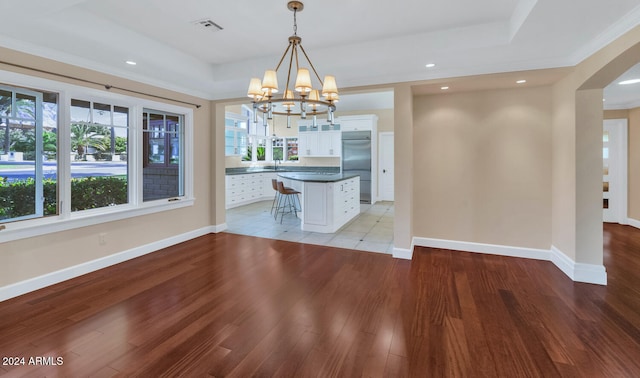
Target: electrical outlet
102 238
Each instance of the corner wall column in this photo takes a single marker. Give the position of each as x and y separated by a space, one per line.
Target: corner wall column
403 167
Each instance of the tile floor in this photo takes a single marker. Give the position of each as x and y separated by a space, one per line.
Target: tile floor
371 231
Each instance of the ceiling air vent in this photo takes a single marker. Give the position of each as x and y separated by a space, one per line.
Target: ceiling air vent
208 24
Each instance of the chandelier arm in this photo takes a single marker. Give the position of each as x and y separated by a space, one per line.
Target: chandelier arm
311 64
283 56
295 50
290 65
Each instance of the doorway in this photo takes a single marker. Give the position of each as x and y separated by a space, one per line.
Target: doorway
614 179
386 174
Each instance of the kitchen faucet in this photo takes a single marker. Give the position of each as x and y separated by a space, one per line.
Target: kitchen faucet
276 163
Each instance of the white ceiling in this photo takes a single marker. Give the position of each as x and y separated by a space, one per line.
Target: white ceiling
361 42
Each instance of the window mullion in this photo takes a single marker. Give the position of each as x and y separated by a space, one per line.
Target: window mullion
136 149
64 155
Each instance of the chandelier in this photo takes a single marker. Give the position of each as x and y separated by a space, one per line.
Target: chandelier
303 99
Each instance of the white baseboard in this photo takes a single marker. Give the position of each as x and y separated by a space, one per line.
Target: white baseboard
26 286
588 273
493 249
402 253
219 228
633 222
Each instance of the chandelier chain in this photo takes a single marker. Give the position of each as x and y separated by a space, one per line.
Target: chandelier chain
295 21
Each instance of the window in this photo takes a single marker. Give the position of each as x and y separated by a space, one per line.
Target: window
277 148
292 149
162 156
235 135
99 135
72 156
28 145
284 149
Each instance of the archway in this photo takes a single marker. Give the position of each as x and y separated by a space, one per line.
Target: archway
577 163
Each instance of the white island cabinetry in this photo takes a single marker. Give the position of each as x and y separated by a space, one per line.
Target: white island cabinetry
328 201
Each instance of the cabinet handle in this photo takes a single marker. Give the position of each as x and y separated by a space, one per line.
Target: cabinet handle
384 171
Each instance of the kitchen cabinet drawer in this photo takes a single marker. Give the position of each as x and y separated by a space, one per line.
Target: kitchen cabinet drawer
243 189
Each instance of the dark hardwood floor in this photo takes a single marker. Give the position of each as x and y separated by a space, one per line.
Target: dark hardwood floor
232 305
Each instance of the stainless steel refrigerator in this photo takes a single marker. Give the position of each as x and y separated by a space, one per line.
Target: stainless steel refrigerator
356 159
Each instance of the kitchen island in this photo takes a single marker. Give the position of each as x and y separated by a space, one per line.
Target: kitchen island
329 200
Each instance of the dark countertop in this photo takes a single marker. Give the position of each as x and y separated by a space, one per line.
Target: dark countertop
316 177
281 169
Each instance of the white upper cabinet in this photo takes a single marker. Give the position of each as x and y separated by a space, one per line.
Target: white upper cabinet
358 122
321 141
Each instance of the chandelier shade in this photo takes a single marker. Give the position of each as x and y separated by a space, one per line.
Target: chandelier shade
303 80
299 98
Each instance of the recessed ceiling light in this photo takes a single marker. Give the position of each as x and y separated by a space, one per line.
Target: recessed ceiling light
627 82
444 88
430 65
131 62
521 81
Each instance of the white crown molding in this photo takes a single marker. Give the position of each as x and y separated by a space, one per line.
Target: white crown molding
29 285
618 29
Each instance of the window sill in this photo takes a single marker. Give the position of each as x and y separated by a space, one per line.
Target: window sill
43 226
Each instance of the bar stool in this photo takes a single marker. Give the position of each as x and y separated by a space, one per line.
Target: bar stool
285 195
274 184
276 198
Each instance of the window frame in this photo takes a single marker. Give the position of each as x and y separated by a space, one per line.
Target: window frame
66 219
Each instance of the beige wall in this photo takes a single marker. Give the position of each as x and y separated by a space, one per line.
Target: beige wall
482 167
36 256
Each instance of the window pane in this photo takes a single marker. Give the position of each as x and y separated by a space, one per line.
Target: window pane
102 114
229 142
156 149
80 111
18 184
5 103
120 116
249 155
262 149
242 141
99 149
163 173
277 151
26 107
292 149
